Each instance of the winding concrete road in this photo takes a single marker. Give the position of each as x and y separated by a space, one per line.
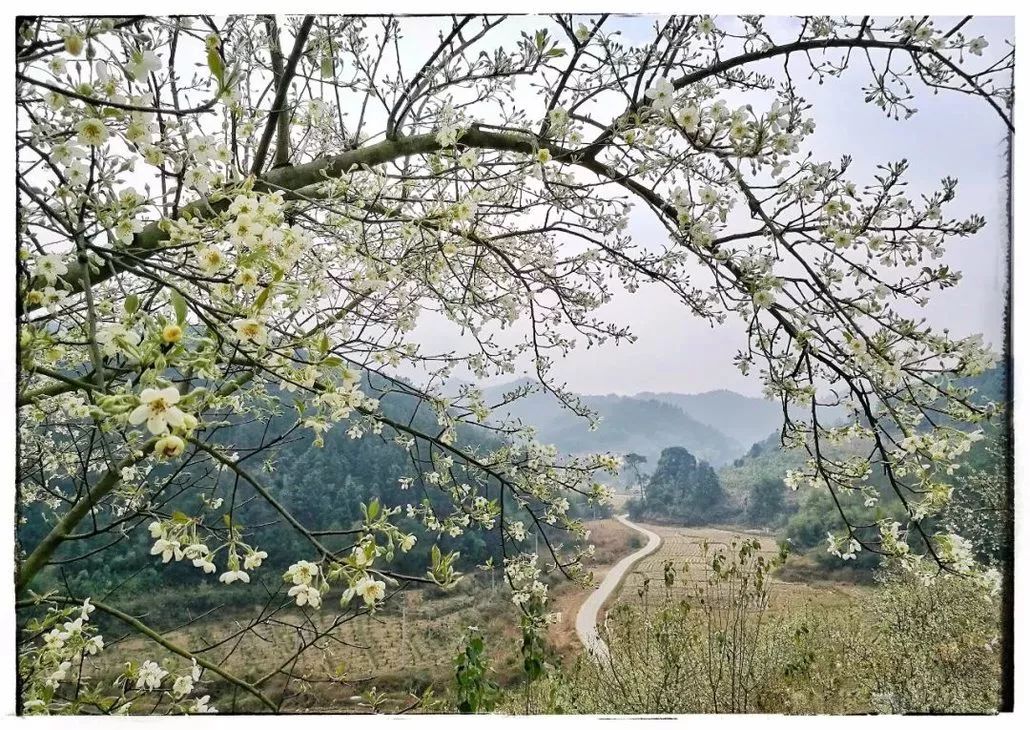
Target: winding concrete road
586 619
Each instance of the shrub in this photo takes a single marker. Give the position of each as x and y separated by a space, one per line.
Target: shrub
917 646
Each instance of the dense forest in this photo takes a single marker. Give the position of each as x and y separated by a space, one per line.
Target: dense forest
323 484
682 488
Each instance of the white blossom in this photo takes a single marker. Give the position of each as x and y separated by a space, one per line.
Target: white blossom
662 94
157 408
150 676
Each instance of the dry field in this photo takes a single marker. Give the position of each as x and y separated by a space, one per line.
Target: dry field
397 652
406 650
683 546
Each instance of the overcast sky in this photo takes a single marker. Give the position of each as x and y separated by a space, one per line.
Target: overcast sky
952 135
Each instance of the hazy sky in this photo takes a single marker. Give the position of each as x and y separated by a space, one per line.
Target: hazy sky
952 135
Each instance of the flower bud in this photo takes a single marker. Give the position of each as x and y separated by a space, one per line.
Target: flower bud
171 333
73 44
168 447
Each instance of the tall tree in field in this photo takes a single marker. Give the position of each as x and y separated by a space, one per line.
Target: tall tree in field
684 487
765 503
228 218
633 462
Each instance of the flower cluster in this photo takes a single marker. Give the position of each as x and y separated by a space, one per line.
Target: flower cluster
307 581
69 640
450 126
523 575
178 538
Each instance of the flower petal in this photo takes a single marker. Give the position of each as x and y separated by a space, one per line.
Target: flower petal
175 417
139 414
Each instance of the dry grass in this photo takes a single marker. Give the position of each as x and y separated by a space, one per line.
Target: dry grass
683 546
403 651
400 651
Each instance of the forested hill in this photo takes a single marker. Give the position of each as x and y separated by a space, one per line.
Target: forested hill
324 487
628 424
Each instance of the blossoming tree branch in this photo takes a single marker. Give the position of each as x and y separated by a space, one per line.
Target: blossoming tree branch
226 219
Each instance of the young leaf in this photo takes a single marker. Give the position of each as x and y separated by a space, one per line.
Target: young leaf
259 303
179 304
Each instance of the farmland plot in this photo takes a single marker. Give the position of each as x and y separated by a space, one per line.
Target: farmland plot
683 546
397 652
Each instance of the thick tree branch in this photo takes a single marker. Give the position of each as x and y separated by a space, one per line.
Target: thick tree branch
36 560
277 116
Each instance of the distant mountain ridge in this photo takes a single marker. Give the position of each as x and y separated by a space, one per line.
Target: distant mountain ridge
718 426
745 419
628 424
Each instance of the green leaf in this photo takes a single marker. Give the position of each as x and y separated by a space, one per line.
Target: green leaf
179 304
131 303
217 66
262 297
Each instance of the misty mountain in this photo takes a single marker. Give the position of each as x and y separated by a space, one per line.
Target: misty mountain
744 419
628 424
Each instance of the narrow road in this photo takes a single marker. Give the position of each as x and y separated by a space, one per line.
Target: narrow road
586 619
